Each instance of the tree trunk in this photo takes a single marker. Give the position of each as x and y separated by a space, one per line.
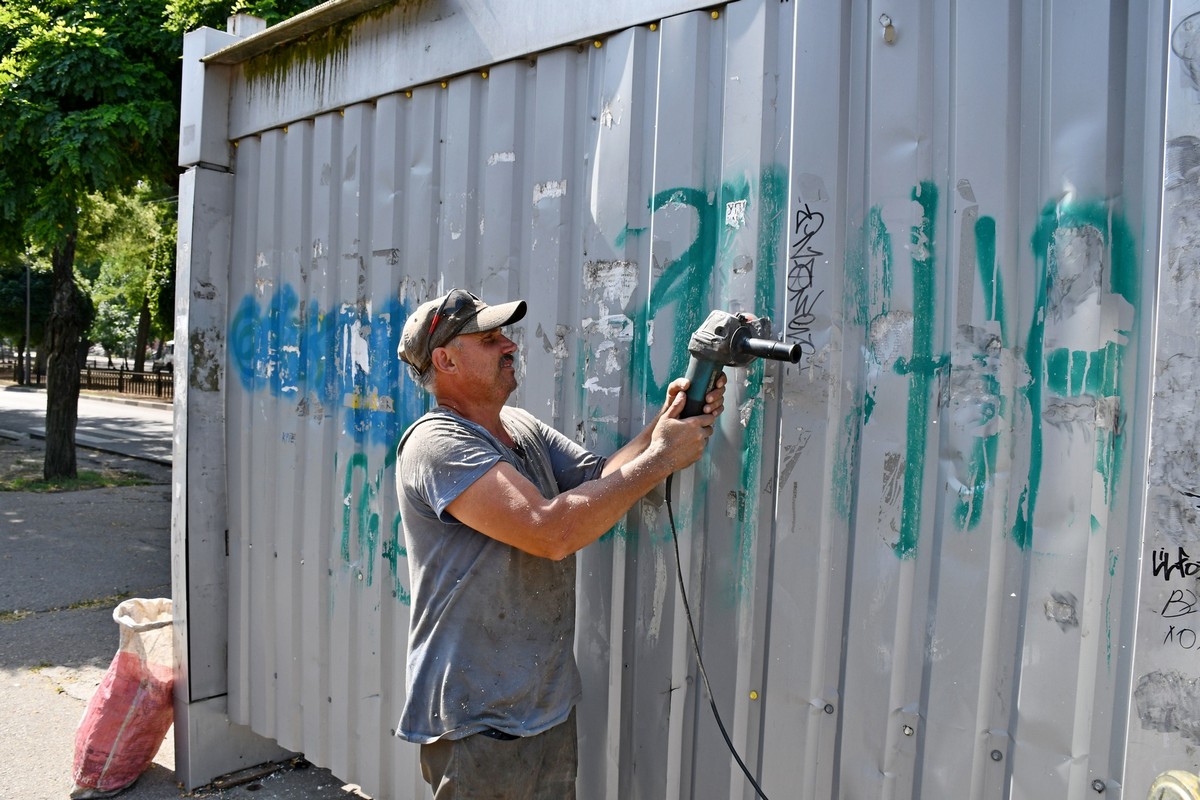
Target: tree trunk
64 329
23 360
143 335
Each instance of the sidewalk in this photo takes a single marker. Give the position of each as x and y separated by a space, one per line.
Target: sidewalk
66 560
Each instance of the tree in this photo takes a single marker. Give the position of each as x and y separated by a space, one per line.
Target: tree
88 104
13 277
131 237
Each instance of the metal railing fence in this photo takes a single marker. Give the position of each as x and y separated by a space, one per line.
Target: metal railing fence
158 385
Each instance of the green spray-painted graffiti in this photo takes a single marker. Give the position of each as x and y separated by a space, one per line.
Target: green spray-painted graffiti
969 507
361 522
1080 249
1063 229
683 292
921 367
875 281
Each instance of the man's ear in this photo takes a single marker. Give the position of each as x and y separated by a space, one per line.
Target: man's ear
442 360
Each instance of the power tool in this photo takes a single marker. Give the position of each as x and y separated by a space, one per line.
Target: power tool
724 340
728 340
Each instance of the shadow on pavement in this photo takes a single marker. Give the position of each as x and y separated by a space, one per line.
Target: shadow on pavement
66 560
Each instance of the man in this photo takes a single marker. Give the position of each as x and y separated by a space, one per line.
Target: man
494 505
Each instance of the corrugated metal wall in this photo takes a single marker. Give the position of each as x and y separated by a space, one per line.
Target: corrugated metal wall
914 555
1165 713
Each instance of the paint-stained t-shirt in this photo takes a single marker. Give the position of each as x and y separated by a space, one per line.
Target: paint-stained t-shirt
491 640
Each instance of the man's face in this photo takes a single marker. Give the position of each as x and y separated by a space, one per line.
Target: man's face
488 360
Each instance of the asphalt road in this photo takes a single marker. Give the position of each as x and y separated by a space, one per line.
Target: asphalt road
66 559
142 430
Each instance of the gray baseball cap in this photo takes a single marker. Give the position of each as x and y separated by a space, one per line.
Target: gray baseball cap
435 322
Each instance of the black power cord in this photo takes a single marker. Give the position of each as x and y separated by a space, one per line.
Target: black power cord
696 645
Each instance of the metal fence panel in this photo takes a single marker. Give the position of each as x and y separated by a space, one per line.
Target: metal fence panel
913 557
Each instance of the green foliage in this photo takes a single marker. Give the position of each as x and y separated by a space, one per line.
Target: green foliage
89 94
130 238
12 300
187 15
88 103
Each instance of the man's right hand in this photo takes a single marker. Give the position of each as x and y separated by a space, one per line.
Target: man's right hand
677 442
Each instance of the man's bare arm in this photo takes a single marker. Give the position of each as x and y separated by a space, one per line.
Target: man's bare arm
506 506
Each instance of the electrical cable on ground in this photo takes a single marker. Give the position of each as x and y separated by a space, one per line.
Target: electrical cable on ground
696 645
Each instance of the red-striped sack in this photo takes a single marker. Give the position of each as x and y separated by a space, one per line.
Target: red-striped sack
131 711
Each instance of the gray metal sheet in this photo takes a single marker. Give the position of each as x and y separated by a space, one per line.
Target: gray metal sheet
913 556
401 46
1162 714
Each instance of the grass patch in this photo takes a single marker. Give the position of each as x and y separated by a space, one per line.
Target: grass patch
84 479
15 615
112 601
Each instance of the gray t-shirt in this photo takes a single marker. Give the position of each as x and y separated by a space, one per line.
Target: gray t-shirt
491 642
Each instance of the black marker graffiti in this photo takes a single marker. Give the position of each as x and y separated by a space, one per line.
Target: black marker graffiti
1184 637
1183 564
1181 603
801 300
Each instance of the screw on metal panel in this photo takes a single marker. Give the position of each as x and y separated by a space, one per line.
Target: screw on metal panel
753 695
1098 786
716 14
889 30
653 26
908 730
829 708
597 44
997 755
360 576
484 74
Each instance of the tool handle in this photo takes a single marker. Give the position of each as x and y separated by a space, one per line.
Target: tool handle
703 376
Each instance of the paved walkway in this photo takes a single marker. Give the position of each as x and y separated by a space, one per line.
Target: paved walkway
66 560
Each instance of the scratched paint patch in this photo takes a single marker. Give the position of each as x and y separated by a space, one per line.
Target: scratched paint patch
1168 701
610 282
1060 608
549 190
890 337
735 214
1174 474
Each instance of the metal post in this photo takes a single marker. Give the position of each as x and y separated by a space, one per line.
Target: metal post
28 280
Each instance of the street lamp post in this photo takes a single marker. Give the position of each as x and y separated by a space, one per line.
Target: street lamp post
28 274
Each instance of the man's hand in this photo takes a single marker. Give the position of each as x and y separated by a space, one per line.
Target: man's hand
714 401
679 441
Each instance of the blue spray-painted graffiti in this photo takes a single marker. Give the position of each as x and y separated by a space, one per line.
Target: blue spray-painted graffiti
331 361
337 363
